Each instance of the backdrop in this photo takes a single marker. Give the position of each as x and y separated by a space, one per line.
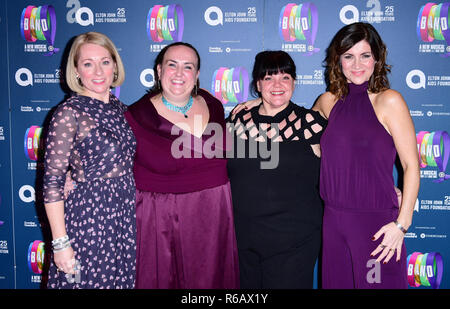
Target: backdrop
34 36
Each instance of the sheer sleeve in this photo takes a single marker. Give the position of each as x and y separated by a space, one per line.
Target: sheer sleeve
59 145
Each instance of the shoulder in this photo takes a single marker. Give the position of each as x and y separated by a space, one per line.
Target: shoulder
391 109
209 98
122 106
72 104
67 111
389 101
143 113
324 104
389 96
216 110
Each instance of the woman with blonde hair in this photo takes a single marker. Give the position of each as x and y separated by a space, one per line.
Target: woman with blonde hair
93 229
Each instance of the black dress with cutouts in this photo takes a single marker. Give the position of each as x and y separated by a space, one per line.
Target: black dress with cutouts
274 171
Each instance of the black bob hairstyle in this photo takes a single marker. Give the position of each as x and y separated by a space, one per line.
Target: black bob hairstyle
271 62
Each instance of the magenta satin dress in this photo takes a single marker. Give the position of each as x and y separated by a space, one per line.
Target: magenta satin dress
357 186
185 227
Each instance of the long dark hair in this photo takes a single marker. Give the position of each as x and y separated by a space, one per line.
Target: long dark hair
345 39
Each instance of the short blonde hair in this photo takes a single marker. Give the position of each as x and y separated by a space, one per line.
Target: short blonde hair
74 54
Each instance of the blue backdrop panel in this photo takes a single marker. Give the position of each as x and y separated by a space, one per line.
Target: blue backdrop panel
227 34
6 223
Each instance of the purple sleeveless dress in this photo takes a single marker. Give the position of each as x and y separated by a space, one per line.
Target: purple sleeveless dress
357 186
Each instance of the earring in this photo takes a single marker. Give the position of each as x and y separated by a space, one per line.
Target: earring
115 76
79 80
195 90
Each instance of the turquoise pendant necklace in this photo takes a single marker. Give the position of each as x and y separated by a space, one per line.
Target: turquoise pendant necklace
179 109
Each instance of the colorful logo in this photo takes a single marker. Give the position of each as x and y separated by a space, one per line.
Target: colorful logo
32 142
299 22
39 23
36 254
434 150
432 23
230 85
165 23
425 269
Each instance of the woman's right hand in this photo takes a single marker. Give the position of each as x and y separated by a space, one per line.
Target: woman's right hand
246 105
65 260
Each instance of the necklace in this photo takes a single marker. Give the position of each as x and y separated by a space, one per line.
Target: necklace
179 109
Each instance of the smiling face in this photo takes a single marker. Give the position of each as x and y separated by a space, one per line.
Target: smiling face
358 63
178 73
95 68
276 91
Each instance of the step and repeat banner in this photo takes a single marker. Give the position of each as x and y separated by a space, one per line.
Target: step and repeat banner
34 40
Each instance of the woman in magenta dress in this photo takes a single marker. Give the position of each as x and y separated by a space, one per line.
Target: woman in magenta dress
185 228
368 125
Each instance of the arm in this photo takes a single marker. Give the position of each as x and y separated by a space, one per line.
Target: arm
65 259
247 105
394 115
59 145
324 104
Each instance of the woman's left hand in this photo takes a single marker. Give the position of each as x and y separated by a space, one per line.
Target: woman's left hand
392 242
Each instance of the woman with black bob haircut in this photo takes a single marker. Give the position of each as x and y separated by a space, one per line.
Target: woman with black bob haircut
274 180
269 63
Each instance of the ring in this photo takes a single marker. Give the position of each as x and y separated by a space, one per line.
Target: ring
392 249
383 246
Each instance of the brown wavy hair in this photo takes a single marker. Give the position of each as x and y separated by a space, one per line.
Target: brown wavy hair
345 39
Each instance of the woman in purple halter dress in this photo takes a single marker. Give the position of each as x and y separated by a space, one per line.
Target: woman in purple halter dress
368 124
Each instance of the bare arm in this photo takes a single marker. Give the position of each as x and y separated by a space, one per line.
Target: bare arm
394 115
400 125
324 104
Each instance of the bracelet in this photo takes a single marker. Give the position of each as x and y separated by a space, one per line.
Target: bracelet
61 243
400 227
61 248
60 240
